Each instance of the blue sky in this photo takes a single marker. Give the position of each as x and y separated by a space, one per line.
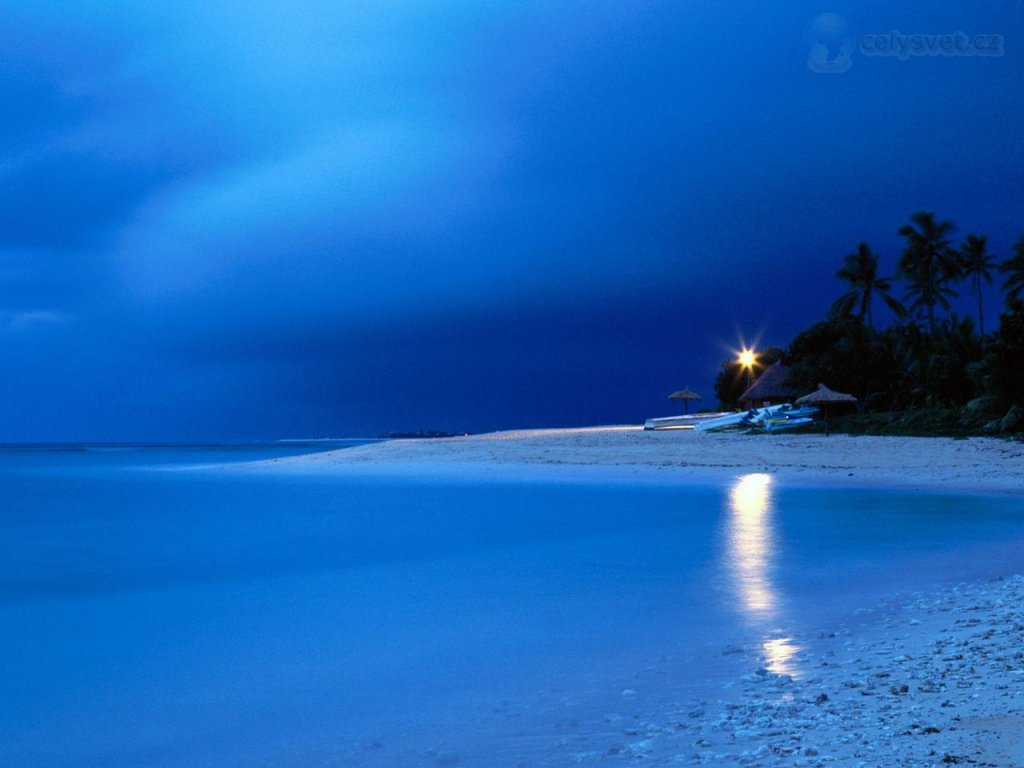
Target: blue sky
228 221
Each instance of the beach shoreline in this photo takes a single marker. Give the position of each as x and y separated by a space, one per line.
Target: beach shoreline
925 679
930 679
630 454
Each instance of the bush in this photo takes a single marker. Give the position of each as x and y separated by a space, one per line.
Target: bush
1000 372
920 422
845 355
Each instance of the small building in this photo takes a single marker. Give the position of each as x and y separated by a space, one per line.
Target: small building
769 388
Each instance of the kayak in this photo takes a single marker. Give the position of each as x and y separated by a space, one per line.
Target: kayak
681 422
742 418
777 425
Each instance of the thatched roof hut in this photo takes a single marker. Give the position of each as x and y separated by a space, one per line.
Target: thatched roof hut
769 388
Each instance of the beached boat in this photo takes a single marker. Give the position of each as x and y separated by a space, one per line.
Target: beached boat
791 412
686 421
778 425
788 417
722 422
758 416
739 419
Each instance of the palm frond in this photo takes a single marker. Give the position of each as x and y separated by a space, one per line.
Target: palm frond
843 306
894 304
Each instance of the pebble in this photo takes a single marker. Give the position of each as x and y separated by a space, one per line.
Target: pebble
889 697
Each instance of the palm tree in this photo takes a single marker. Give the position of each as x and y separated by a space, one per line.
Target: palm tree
1014 266
977 263
929 263
860 270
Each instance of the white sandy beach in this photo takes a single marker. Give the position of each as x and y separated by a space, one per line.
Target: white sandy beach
926 680
976 464
937 679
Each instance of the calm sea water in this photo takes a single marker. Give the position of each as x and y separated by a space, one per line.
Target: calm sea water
159 608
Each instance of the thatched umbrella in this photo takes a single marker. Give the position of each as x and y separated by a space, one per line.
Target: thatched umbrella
686 395
824 397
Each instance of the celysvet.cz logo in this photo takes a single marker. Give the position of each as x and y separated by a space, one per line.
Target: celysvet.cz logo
903 47
832 44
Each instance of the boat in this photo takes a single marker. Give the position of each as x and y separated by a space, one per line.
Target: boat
729 420
686 421
778 425
739 419
759 415
789 417
794 412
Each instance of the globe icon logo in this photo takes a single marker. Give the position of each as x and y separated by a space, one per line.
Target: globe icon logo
830 44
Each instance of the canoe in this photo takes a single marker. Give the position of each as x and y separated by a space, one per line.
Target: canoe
730 420
686 421
778 425
743 418
759 415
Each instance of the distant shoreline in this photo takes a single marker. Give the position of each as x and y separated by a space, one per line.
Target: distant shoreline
975 465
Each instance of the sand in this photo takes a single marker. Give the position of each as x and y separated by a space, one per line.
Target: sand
975 464
931 679
937 679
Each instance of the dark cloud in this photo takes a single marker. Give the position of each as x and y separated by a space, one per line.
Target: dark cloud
62 201
311 218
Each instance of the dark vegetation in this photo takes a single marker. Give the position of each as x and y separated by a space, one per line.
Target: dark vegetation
929 371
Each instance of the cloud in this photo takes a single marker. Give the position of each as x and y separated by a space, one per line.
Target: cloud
199 203
315 221
317 160
23 322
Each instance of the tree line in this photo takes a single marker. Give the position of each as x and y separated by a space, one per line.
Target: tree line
928 356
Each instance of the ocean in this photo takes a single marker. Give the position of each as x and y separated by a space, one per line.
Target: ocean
169 606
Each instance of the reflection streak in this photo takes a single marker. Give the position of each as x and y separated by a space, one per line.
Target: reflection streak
751 547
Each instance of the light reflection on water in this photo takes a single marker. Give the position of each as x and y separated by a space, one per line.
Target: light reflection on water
751 544
750 551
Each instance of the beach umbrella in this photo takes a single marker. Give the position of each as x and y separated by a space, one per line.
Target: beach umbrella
824 397
686 395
